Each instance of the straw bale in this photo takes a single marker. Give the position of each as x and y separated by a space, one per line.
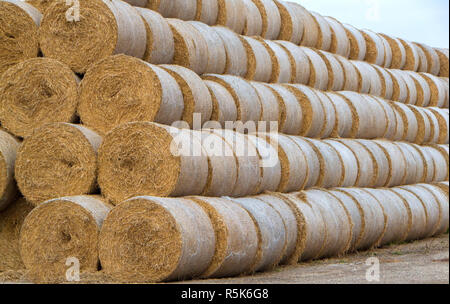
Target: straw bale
253 22
398 52
292 27
282 70
271 18
299 61
412 56
259 62
340 43
325 32
319 72
358 46
231 15
236 54
443 59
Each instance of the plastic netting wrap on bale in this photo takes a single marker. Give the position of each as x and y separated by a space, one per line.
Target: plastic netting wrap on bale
253 22
310 27
121 89
292 27
299 60
61 229
390 118
412 57
444 62
442 115
422 88
423 63
259 64
442 198
19 22
11 221
399 89
381 162
412 97
318 77
388 55
57 160
150 239
369 79
344 115
358 46
224 107
329 108
271 19
398 52
387 84
441 162
207 11
340 43
236 237
73 41
236 54
282 70
351 74
428 164
325 34
410 124
349 162
432 58
397 163
37 92
8 152
145 158
231 14
336 78
270 107
437 90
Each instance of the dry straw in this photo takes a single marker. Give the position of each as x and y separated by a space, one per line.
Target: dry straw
423 124
311 28
432 58
236 237
150 239
423 62
336 77
207 11
325 32
344 116
57 160
282 70
409 121
318 77
224 107
253 22
412 57
270 111
422 87
271 19
349 161
387 84
36 92
8 151
231 15
398 52
299 62
443 59
440 158
19 22
400 91
292 27
434 123
362 119
11 221
351 74
411 86
235 52
340 43
388 55
443 121
437 90
330 115
358 46
77 45
145 158
121 89
61 229
42 5
259 63
370 81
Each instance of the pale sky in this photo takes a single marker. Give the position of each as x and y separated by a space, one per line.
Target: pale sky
424 21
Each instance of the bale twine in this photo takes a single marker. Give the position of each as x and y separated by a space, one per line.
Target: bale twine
349 161
291 27
160 42
299 61
8 151
282 71
443 59
160 161
423 62
409 121
191 47
344 116
318 77
291 113
244 94
337 220
271 233
442 198
313 160
398 52
207 11
441 162
19 38
75 44
387 84
325 32
231 15
414 163
217 56
224 107
400 91
235 234
432 58
336 78
236 54
259 62
108 94
313 124
351 76
330 122
310 26
11 221
196 96
437 90
375 48
370 82
271 19
412 57
397 163
270 111
381 162
398 216
422 87
340 43
150 239
391 118
358 46
373 216
59 229
443 122
253 23
57 160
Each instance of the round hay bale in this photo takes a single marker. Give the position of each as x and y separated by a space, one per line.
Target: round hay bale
196 96
224 107
340 44
236 54
36 92
428 164
282 71
362 119
318 76
236 237
59 229
443 186
147 158
434 123
423 89
271 19
11 221
337 220
442 198
400 91
231 15
409 121
217 56
387 84
57 160
160 42
370 82
441 162
373 217
245 96
330 122
253 22
108 94
344 116
445 82
380 119
411 86
437 90
78 46
424 123
414 163
397 163
398 52
207 11
398 216
400 127
42 5
391 118
164 7
432 58
313 160
349 161
271 233
19 37
299 61
270 112
364 81
310 26
325 32
443 59
191 47
443 120
259 62
381 163
388 55
290 110
412 57
151 239
351 76
8 151
375 48
423 62
358 46
313 122
292 27
336 78
185 9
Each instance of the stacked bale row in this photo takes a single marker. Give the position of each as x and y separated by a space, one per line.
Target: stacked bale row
153 239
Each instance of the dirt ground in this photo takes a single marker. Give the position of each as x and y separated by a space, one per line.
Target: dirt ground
419 262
